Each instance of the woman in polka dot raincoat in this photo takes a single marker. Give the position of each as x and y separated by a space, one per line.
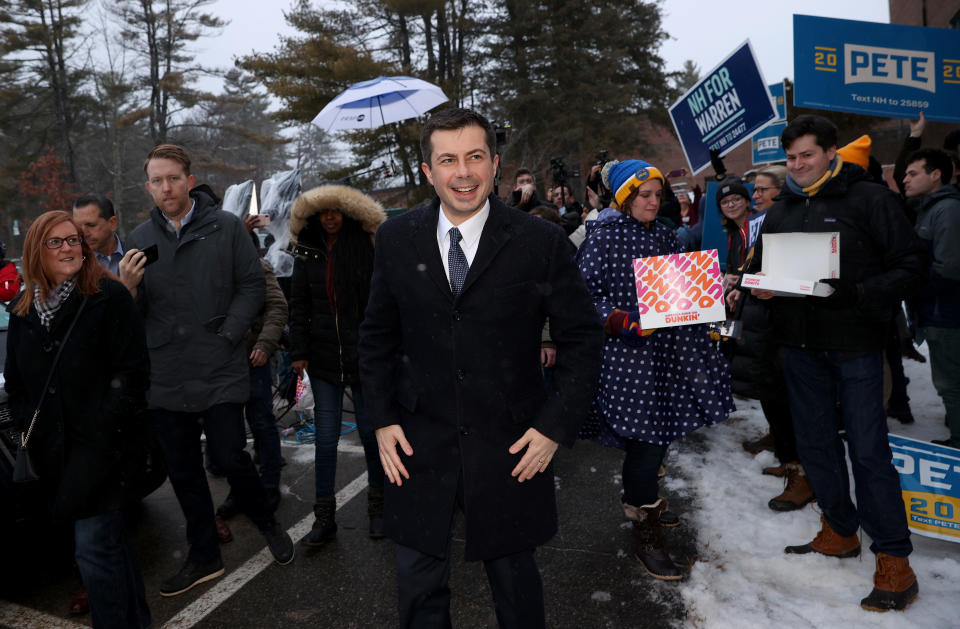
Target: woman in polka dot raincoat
655 385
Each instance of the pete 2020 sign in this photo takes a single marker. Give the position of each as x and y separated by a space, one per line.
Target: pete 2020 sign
724 109
679 289
877 69
930 482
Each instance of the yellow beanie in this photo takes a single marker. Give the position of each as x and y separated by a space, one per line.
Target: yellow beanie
857 152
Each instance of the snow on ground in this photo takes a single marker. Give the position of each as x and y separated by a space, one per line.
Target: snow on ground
743 578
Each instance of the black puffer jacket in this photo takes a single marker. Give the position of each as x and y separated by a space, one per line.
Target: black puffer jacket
878 249
321 334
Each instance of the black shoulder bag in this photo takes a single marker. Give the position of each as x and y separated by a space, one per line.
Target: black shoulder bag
23 471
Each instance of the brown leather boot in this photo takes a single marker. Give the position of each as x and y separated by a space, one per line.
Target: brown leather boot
649 541
797 492
759 445
828 542
780 471
894 585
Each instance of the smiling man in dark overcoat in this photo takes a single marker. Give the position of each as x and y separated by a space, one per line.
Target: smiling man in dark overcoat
450 353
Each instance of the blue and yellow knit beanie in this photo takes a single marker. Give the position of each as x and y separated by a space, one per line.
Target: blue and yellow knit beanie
622 178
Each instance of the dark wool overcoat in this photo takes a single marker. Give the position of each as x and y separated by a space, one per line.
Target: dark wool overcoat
462 375
90 432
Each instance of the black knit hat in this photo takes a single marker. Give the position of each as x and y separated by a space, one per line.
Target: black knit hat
727 189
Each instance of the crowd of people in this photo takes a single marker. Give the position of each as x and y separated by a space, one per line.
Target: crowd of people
474 339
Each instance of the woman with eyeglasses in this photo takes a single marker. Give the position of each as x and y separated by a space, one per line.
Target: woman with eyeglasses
767 186
77 372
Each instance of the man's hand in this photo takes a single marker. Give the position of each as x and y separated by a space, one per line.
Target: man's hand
732 298
548 356
917 126
762 293
388 438
131 269
540 449
526 192
300 366
593 201
258 358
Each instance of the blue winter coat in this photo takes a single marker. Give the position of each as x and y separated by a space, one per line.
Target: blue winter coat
672 383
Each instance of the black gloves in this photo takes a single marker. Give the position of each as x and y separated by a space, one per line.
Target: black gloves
846 293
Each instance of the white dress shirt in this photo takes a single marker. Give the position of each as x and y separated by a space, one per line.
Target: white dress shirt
470 231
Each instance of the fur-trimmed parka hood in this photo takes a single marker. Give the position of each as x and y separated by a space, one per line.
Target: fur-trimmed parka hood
350 201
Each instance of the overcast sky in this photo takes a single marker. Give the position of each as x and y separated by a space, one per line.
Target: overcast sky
703 32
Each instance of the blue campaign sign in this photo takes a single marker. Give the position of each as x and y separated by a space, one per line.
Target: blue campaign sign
877 69
779 95
724 109
930 483
766 144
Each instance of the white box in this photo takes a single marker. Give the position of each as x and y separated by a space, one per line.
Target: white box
792 264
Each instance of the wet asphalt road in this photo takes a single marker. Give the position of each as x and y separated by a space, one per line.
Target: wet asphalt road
590 576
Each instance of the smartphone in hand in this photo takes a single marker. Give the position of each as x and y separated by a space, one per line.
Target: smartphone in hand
152 254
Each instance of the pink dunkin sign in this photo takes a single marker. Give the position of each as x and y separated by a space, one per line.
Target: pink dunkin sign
679 289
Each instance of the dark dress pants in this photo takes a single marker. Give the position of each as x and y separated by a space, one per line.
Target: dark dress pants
815 380
179 436
424 591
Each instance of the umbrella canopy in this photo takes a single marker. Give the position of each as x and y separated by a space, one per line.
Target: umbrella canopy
385 99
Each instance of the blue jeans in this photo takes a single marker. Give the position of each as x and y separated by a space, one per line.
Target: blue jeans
816 380
944 346
263 425
327 413
111 572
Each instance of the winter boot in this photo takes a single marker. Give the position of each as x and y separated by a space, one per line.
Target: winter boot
797 492
649 541
668 518
780 471
759 445
894 585
375 511
828 542
324 527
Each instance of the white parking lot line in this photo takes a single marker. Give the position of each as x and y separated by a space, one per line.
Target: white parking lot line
231 584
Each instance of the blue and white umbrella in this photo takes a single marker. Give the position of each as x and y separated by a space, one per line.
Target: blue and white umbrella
374 103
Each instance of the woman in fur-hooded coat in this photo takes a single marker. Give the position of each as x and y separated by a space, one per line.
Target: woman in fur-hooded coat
332 230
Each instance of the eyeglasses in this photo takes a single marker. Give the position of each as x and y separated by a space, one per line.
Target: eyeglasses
56 243
762 189
734 202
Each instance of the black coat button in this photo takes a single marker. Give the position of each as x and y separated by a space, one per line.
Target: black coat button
460 375
464 431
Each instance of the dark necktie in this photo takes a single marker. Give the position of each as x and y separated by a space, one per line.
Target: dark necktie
457 262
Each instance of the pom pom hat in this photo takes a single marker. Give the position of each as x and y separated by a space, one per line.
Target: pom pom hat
622 178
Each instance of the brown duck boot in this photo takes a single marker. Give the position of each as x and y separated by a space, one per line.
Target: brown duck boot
894 585
759 445
648 536
797 492
324 526
828 542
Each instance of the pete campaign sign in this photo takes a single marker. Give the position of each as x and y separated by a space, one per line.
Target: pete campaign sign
766 144
724 109
877 69
930 482
679 289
